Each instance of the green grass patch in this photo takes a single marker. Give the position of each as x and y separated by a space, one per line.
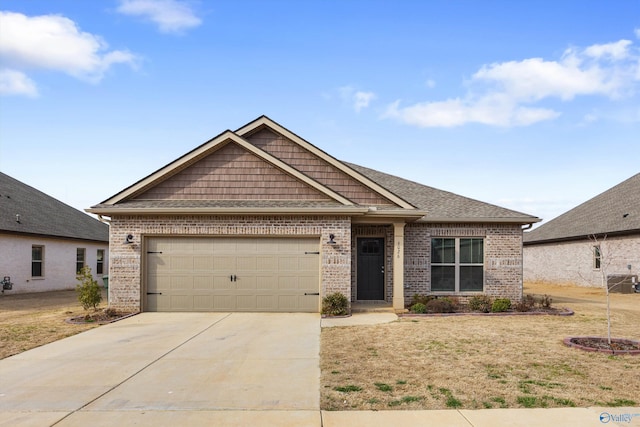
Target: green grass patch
405 399
531 402
401 382
602 387
621 402
559 401
452 402
348 388
383 387
524 385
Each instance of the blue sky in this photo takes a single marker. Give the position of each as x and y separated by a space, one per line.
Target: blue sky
533 106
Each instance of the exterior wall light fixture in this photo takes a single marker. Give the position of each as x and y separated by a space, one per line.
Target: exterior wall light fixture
331 241
129 239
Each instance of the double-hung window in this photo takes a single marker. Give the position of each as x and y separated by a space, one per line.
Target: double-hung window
597 257
457 264
37 261
80 252
100 261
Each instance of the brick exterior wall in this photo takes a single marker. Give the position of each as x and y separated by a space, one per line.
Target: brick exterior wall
125 268
502 253
573 262
502 247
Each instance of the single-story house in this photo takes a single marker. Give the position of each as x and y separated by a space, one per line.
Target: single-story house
44 242
259 219
564 251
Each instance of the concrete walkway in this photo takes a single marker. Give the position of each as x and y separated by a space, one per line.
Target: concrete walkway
192 369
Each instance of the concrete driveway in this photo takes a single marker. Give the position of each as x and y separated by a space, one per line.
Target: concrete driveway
171 369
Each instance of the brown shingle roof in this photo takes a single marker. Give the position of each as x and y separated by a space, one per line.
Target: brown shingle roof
43 215
616 211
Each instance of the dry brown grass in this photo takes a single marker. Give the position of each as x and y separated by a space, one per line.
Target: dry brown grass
31 320
482 362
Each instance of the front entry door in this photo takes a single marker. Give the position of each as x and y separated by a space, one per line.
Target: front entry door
370 269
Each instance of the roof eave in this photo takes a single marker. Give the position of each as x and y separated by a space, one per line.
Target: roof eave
581 237
459 220
228 211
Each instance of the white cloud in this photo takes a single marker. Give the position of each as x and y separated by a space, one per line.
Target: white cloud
505 94
357 99
637 32
54 42
618 50
171 16
492 111
14 82
430 84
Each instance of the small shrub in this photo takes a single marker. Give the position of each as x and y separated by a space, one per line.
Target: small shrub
418 308
89 293
500 305
421 299
527 303
335 304
480 303
440 305
545 301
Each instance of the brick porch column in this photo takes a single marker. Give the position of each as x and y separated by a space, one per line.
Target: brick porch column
398 266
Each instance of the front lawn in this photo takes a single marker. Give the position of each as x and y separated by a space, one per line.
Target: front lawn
484 362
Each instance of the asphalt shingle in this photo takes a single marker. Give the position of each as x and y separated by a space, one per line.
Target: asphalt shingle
615 211
23 209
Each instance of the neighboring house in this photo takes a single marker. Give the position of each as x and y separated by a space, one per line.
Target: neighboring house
43 242
563 251
261 220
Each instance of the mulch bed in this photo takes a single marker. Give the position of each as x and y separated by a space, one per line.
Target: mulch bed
546 311
601 344
101 317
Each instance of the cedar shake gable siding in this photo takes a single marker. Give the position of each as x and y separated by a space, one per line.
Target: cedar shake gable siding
315 167
232 173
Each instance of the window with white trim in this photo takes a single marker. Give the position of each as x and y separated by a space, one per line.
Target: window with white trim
457 264
80 252
37 261
100 261
597 257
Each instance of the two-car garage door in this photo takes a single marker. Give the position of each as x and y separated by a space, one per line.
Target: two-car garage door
232 274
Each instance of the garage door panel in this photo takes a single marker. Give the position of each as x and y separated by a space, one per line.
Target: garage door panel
181 262
203 262
246 283
203 283
266 263
233 274
181 283
224 262
246 263
202 302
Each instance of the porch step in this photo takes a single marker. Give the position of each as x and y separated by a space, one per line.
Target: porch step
372 307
